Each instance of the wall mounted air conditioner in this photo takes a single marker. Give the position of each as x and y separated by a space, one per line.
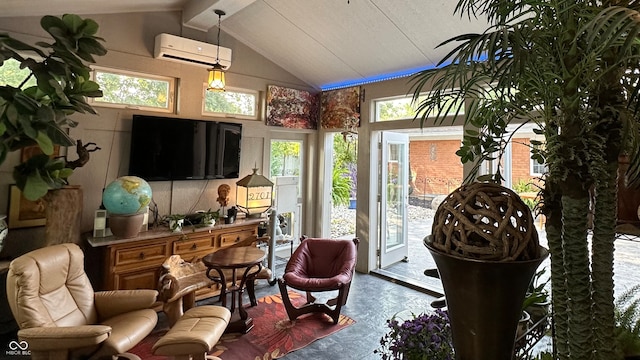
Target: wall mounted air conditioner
187 51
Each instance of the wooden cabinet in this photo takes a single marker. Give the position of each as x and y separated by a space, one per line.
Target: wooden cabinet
115 264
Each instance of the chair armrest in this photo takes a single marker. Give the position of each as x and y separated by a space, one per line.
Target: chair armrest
59 338
116 302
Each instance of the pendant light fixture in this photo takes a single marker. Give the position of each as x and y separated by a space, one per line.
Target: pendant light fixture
216 73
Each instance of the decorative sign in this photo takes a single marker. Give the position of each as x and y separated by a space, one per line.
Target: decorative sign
254 199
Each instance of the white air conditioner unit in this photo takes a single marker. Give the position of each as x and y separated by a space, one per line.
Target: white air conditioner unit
179 49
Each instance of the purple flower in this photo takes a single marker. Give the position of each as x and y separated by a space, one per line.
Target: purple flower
425 336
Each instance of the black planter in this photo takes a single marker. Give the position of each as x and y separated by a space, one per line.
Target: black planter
484 300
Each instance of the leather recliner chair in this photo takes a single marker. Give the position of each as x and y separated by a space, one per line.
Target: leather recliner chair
61 317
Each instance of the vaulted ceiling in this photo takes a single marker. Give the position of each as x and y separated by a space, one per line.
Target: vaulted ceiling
326 43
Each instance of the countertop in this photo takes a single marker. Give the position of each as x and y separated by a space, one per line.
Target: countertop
163 231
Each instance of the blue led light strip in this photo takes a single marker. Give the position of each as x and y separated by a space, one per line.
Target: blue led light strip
383 77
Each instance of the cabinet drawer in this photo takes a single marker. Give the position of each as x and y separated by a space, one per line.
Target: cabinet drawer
234 237
137 280
188 246
155 252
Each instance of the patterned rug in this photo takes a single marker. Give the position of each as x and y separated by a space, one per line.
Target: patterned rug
272 336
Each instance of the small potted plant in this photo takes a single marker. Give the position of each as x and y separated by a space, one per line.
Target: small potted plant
209 217
176 221
421 337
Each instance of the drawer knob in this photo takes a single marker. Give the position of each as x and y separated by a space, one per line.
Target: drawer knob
238 239
141 256
194 246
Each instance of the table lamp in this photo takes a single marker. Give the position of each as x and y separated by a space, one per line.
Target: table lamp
253 194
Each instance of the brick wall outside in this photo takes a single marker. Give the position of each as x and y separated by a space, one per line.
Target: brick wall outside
521 161
436 169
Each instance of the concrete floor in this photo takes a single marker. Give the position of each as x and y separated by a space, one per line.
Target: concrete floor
371 302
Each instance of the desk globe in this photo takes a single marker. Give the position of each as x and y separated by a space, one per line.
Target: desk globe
126 199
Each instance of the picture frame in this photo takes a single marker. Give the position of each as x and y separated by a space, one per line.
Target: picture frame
341 109
25 213
292 108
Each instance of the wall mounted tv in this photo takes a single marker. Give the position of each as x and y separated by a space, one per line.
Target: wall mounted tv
164 148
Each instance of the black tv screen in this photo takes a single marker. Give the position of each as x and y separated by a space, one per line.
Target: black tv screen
164 148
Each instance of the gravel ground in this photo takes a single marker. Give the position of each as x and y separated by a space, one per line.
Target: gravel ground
343 219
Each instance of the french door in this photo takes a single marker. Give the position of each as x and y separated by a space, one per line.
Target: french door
394 197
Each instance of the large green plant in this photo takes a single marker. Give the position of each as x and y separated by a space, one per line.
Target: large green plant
340 185
569 66
39 114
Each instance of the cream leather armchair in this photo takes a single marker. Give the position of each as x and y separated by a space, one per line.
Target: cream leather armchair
61 317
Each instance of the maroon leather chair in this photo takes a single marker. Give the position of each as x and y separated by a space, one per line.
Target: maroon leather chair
320 265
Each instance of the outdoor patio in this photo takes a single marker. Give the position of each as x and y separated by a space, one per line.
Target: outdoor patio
420 220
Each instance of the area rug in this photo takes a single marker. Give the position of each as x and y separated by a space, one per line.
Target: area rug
272 336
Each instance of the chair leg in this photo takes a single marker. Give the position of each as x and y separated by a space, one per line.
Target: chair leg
341 300
310 298
288 306
311 307
346 288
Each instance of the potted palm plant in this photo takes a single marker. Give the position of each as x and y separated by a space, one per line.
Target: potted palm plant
569 67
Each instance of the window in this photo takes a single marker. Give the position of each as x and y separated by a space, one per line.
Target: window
538 167
402 108
124 89
12 75
237 103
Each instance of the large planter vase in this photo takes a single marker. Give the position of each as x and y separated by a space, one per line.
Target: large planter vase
484 301
64 215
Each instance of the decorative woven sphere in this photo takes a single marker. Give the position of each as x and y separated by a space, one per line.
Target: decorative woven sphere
485 221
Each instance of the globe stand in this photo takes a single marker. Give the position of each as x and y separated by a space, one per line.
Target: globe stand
126 226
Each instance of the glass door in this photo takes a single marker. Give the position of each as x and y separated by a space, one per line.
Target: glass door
394 197
286 172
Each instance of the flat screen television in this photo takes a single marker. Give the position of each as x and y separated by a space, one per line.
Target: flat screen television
164 148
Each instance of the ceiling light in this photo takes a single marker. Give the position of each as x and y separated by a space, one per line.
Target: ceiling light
216 73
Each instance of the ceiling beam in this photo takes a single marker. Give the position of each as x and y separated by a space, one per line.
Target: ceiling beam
198 14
